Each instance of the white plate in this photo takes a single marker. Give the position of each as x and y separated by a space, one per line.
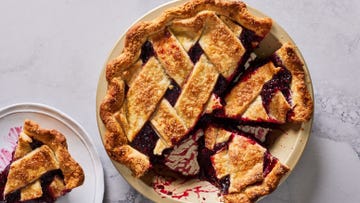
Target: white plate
80 145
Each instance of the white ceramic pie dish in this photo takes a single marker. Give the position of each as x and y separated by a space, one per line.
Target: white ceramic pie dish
288 147
80 145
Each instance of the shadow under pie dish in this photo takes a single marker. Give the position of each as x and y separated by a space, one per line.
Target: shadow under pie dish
188 80
42 169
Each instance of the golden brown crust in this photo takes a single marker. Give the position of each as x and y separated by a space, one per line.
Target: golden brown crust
112 102
139 33
243 161
125 154
196 92
256 111
23 146
246 91
31 191
188 31
252 193
168 125
131 73
302 103
222 47
172 56
137 162
214 135
72 171
143 96
57 187
30 168
279 107
235 28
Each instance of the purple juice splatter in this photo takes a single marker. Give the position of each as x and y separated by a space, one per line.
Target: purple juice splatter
7 151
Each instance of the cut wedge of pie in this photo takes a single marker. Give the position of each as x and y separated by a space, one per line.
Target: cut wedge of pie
185 94
42 169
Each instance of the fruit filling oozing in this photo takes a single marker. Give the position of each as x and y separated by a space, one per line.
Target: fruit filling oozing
248 38
145 141
183 158
280 82
3 178
48 183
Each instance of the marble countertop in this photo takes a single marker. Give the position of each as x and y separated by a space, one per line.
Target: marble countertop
52 52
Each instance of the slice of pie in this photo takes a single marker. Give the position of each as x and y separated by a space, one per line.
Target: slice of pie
185 94
42 169
243 169
273 90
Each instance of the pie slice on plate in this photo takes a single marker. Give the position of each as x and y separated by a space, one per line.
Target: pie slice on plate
42 169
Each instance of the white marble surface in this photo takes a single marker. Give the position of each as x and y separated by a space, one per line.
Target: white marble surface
52 52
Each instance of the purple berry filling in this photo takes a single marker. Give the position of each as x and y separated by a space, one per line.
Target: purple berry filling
145 140
35 144
280 82
147 51
220 86
248 38
277 61
172 93
195 52
269 163
3 179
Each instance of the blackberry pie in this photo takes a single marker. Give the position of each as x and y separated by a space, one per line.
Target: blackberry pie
187 82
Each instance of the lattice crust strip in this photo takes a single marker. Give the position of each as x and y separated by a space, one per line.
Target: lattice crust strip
220 44
188 48
172 56
33 190
143 97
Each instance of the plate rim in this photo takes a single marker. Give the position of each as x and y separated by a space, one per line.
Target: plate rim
292 159
74 126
